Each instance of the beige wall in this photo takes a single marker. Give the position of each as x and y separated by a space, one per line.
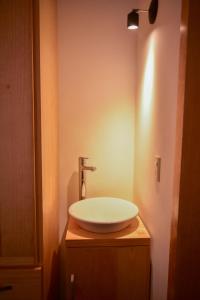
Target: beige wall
157 56
49 138
97 88
97 74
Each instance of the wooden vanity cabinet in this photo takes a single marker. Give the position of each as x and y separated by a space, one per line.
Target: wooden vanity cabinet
108 266
28 150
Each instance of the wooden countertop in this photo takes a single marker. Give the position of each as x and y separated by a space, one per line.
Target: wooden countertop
134 235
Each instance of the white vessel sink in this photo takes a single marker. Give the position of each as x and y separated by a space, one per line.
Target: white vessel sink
103 214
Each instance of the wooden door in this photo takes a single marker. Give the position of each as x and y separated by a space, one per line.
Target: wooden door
17 203
117 273
184 263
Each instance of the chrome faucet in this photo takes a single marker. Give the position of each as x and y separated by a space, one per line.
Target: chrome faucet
82 177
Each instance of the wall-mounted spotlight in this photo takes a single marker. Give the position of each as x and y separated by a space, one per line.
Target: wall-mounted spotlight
133 16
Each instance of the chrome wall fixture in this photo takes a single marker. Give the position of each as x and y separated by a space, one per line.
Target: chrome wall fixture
133 16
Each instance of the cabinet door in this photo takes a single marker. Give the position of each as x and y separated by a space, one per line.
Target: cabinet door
117 273
20 284
17 203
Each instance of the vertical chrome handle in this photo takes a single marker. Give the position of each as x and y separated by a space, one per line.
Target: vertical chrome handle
72 286
72 278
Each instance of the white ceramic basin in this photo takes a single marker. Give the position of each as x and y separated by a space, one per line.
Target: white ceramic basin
103 214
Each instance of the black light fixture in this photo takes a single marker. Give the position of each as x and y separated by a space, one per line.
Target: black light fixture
133 16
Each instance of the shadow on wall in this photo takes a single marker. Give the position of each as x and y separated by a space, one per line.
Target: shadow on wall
71 197
72 189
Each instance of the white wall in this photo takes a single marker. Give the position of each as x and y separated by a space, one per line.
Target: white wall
157 56
97 88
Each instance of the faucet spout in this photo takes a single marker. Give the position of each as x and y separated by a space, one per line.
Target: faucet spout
87 168
82 176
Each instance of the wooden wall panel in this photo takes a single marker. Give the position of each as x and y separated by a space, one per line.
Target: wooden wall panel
17 203
28 130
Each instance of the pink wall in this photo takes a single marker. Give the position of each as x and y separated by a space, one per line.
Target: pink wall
97 87
157 56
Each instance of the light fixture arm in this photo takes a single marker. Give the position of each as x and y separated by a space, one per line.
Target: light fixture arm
142 10
152 11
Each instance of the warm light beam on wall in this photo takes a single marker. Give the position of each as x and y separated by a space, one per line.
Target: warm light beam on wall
112 150
146 108
147 92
